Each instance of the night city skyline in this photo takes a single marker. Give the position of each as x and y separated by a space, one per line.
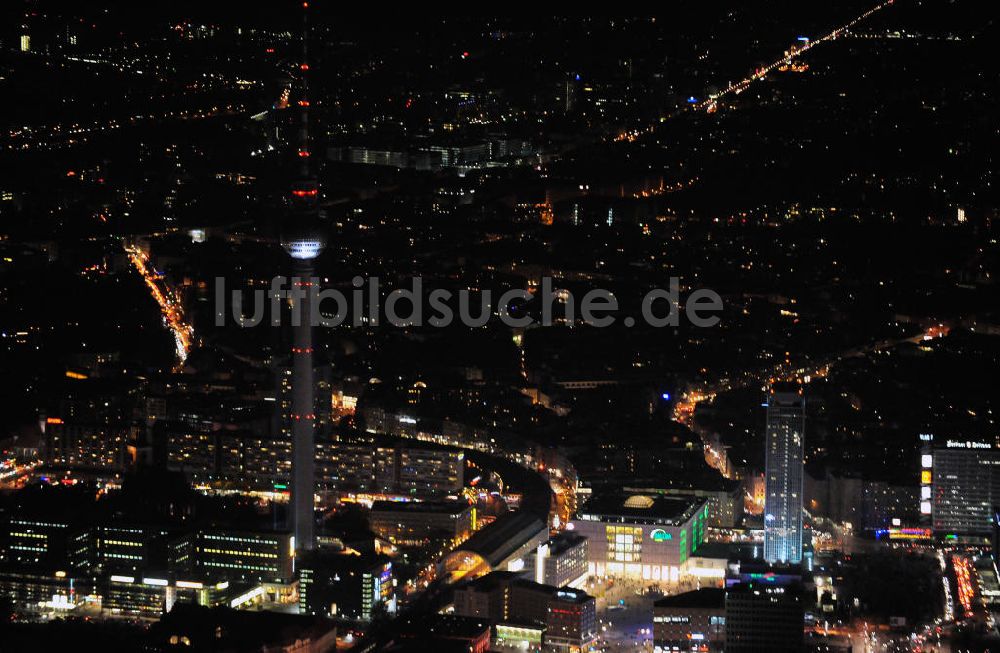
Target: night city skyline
388 333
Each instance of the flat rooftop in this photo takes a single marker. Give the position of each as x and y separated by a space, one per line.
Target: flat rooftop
570 595
705 598
436 507
729 550
673 510
564 541
492 581
457 627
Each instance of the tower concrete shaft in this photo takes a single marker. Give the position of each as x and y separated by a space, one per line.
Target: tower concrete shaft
303 412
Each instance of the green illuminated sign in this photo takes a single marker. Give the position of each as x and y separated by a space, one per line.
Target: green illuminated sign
660 535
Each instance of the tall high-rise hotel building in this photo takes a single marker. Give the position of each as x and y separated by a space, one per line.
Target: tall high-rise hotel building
959 485
783 475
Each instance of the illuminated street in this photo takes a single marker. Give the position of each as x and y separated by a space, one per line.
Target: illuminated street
168 301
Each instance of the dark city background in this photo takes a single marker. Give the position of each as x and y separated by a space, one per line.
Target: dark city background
818 471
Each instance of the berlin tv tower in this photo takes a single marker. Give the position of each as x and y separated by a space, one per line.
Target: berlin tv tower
303 240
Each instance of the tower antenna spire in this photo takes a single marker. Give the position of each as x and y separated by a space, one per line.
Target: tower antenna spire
307 180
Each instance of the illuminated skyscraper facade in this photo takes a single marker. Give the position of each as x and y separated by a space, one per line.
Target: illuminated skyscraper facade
783 475
961 486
